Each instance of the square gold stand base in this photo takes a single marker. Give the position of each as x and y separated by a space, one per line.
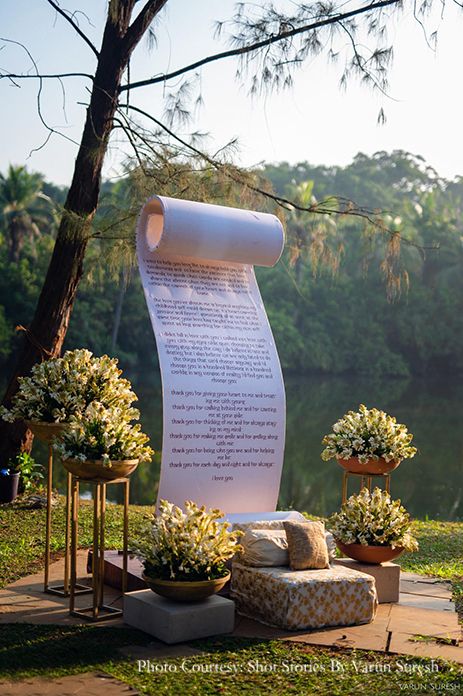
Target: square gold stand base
104 612
62 592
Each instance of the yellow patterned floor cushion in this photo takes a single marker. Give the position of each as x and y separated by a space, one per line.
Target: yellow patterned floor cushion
304 599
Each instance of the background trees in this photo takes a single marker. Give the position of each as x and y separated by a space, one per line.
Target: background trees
327 320
270 42
24 207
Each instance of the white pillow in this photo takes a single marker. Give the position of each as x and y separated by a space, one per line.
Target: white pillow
264 548
277 525
259 524
332 548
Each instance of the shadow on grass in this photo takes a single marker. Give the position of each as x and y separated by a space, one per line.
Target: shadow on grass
27 649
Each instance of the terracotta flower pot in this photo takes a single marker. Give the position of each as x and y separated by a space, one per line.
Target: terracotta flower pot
184 590
92 469
371 467
369 554
46 432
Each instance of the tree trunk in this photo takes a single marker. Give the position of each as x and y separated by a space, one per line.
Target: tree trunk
16 239
44 338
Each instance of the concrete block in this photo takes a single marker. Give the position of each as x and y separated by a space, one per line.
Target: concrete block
386 575
176 622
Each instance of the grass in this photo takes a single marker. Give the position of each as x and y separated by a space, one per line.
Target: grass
22 541
440 552
225 666
23 534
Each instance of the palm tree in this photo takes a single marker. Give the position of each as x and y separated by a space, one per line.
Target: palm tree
22 208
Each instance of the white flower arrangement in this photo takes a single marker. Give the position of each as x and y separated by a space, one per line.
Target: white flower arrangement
373 519
368 434
104 433
60 388
188 545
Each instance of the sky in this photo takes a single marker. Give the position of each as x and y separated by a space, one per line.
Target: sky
314 121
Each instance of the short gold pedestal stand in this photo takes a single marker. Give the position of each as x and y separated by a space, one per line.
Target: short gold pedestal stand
366 482
98 611
46 432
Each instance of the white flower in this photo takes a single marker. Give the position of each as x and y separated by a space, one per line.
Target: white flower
60 388
373 519
188 542
368 434
104 433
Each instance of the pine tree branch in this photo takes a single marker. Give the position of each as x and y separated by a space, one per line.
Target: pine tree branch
345 207
57 76
141 23
75 26
243 50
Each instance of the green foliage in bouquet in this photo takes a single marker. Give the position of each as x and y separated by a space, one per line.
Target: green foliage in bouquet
373 519
60 388
31 472
368 434
104 433
188 545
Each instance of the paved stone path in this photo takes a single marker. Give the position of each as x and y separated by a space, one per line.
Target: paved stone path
87 684
424 623
25 602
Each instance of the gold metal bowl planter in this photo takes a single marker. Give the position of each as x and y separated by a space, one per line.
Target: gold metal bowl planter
185 590
92 469
46 432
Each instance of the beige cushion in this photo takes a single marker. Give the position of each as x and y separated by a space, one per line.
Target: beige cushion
306 545
331 544
258 524
264 548
278 525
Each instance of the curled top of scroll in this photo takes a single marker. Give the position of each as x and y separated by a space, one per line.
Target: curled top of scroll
175 227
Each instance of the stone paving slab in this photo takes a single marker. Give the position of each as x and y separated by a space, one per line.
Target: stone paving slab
87 684
412 620
249 628
424 609
402 643
441 590
415 577
393 630
371 636
24 601
426 602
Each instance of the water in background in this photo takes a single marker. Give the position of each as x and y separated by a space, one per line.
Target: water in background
430 485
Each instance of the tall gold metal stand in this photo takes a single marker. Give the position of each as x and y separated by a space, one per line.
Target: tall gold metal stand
46 432
366 482
62 590
99 611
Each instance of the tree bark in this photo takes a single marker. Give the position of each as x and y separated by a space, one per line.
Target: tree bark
45 335
16 239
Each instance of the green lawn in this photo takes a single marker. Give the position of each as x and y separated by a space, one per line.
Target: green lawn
23 534
22 539
227 666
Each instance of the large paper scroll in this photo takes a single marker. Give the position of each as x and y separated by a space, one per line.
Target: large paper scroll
223 392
